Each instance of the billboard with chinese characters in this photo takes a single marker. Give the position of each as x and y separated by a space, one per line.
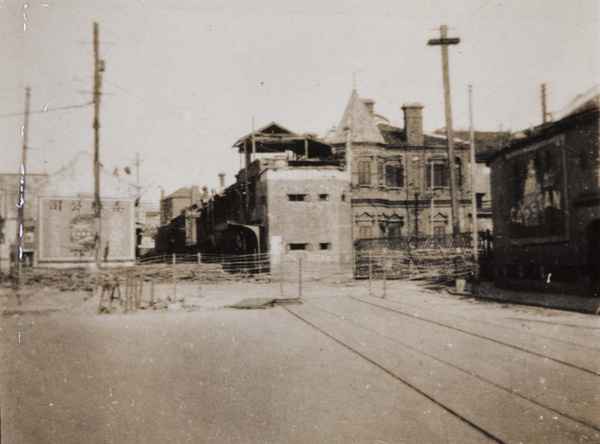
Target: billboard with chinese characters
537 194
67 230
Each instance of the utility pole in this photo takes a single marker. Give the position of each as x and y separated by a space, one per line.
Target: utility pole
417 217
253 141
544 113
21 227
246 195
137 175
473 193
98 69
444 42
348 169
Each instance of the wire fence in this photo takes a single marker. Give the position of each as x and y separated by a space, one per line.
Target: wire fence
160 281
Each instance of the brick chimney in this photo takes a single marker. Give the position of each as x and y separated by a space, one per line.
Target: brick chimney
221 181
370 104
413 123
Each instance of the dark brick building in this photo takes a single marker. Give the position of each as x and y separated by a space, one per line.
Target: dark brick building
546 206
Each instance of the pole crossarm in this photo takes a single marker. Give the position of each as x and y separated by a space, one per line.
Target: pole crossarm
445 41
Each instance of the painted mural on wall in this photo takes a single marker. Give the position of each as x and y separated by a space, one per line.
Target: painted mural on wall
67 230
538 199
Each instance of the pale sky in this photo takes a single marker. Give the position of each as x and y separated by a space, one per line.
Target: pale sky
184 79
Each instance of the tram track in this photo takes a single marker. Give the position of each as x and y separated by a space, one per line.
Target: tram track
403 381
488 338
574 421
404 344
523 320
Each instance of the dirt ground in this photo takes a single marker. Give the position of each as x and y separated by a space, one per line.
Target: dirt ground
332 369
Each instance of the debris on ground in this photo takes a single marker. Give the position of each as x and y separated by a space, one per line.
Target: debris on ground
262 303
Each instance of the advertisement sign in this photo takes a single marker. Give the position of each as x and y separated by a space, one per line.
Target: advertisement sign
537 195
67 229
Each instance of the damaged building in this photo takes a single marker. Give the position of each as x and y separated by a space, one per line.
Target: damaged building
301 196
292 201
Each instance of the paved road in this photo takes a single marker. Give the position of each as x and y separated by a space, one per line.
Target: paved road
416 367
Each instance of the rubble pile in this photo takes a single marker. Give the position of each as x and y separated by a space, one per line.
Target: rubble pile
163 273
65 279
70 279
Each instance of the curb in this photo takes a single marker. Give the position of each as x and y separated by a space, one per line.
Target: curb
568 302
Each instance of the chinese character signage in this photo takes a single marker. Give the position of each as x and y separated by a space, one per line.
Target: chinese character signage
537 198
68 231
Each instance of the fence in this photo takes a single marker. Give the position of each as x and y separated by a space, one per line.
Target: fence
438 258
159 281
162 281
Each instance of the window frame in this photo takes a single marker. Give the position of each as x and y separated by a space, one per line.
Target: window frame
364 173
297 246
399 175
298 198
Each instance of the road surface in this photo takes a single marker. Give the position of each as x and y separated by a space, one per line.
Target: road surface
343 366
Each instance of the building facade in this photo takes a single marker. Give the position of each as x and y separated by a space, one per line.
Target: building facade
301 196
173 205
400 181
292 204
546 206
60 226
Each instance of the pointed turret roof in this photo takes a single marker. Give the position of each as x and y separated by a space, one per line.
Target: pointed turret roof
359 119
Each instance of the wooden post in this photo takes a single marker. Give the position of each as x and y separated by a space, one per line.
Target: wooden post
384 281
444 42
174 278
98 69
370 273
101 291
473 191
299 278
19 257
139 294
199 275
151 293
127 292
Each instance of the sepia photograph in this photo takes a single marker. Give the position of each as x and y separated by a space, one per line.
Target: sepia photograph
299 221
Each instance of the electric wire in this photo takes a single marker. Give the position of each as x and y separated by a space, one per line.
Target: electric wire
63 108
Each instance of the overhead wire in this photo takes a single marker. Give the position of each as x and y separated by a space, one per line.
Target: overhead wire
153 105
550 53
47 110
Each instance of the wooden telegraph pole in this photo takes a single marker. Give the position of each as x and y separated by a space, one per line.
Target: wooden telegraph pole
444 42
137 164
21 225
473 192
98 70
544 112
